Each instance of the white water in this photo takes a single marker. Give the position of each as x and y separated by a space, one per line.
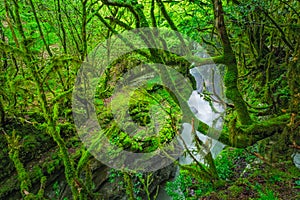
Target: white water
207 79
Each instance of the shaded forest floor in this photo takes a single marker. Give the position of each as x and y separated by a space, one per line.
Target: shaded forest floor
261 184
258 180
243 176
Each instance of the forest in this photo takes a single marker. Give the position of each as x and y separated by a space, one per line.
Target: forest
149 99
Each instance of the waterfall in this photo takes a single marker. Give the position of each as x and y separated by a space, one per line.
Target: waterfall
209 82
209 86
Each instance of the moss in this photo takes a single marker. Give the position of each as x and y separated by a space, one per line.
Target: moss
230 78
14 147
235 191
232 92
11 185
128 186
142 105
222 195
8 186
202 127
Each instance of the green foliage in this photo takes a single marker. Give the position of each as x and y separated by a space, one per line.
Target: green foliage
144 118
235 191
129 187
52 165
186 186
266 194
14 146
114 174
297 182
56 189
178 189
140 112
43 44
225 162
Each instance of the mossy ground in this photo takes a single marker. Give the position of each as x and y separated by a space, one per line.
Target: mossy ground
244 176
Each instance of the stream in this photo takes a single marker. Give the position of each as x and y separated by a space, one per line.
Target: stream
208 80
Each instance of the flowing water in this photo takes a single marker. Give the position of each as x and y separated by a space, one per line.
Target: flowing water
209 81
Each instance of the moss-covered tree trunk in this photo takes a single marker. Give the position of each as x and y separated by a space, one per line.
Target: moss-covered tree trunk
232 92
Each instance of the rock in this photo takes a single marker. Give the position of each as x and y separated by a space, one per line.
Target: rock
296 159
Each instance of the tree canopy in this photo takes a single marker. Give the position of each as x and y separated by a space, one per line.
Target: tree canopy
44 44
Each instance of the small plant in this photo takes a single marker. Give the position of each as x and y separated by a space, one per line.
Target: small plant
224 165
297 182
265 195
235 190
113 175
268 195
275 178
174 189
186 187
56 189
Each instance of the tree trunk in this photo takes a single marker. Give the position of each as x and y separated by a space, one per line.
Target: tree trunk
232 92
